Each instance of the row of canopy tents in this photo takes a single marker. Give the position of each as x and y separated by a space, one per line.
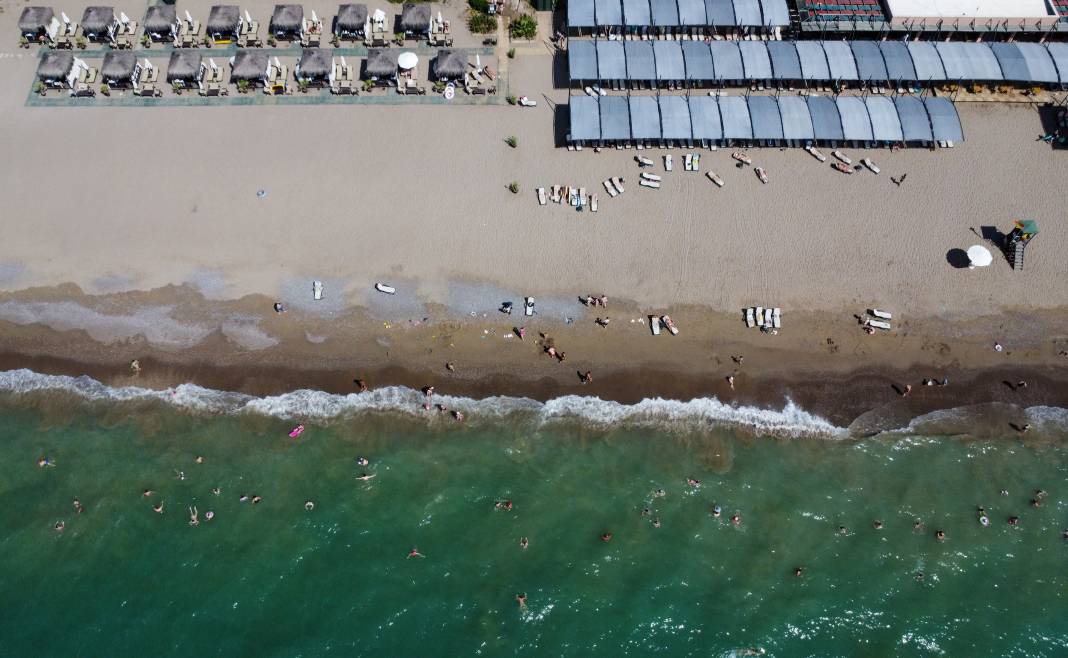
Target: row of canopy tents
586 15
783 119
911 62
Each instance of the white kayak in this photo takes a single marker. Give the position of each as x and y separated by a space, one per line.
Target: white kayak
389 290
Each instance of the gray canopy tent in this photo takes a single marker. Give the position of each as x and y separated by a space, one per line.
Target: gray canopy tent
668 59
314 66
747 13
796 119
415 19
704 119
692 13
184 66
641 65
945 124
636 13
161 21
665 13
885 124
611 61
580 14
450 64
1039 62
675 118
698 60
96 21
927 61
856 125
915 124
764 115
644 117
898 61
775 13
615 118
54 67
381 63
826 121
582 60
585 119
350 20
727 60
287 21
249 65
813 60
734 112
224 21
840 60
719 13
34 21
1059 53
755 60
118 68
608 13
784 61
869 60
968 61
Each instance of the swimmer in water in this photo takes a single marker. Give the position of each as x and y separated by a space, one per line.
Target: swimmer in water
216 491
659 493
984 520
209 515
523 543
59 526
243 498
1039 493
414 553
147 493
193 520
606 537
736 519
656 522
45 461
158 509
917 525
78 507
842 530
1014 520
919 575
309 505
458 415
798 572
1004 492
877 524
646 512
939 535
179 474
199 459
522 599
362 461
365 476
716 511
256 499
1036 502
693 482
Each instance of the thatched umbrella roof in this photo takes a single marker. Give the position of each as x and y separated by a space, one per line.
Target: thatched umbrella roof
351 18
96 20
287 18
184 65
380 62
55 64
36 19
118 66
249 65
314 63
450 64
415 17
160 19
224 19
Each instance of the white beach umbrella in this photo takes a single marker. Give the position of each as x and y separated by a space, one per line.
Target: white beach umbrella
979 256
478 62
407 60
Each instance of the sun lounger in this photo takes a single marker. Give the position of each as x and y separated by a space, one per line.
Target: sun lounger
652 177
760 316
769 317
687 162
749 321
762 174
654 325
870 165
845 169
317 290
526 102
714 178
528 306
608 187
666 319
815 152
649 183
841 156
389 290
582 196
593 203
668 163
885 315
555 196
541 196
643 161
618 183
776 317
879 324
695 163
742 157
590 92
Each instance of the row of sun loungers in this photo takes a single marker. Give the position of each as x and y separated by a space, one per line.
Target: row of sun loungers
765 318
575 196
614 186
664 321
879 319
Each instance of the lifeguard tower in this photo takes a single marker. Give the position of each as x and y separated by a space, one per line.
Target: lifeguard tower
1017 241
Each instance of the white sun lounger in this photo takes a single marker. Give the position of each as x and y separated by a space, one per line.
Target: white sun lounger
749 321
777 317
769 317
841 156
608 187
652 177
870 165
643 161
541 196
669 164
714 178
528 306
687 162
654 324
593 203
760 316
669 325
389 290
555 196
879 324
885 315
695 164
582 196
317 290
618 183
815 152
649 183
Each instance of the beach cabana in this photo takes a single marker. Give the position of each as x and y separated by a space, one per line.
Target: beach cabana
840 60
380 65
856 124
720 13
727 61
450 64
615 119
675 119
580 16
869 59
784 62
734 112
796 120
224 23
35 21
764 115
775 13
704 119
611 61
747 13
1059 53
184 67
608 13
926 61
161 22
698 59
582 61
898 61
119 68
885 124
1039 64
644 118
813 60
945 124
692 13
55 67
665 13
641 65
826 122
350 20
755 60
415 20
287 21
314 66
915 124
250 66
98 23
585 119
667 57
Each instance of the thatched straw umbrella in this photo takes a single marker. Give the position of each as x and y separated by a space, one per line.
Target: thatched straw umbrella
415 18
314 65
450 65
350 20
380 63
224 21
160 21
97 20
184 66
249 65
55 66
118 68
34 21
287 20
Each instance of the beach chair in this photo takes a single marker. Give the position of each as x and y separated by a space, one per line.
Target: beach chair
528 306
870 165
593 203
649 183
841 156
687 162
760 316
608 187
666 320
749 321
317 290
555 196
816 153
777 317
769 318
643 161
879 324
652 177
742 157
668 163
714 178
762 174
654 325
695 163
582 196
617 182
541 196
883 315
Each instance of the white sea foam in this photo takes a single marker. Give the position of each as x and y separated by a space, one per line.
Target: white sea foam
318 406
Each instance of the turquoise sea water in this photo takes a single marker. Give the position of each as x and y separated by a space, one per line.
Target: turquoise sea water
275 579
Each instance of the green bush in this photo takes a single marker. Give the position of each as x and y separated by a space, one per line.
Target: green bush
481 6
513 187
482 24
511 141
243 86
523 27
511 99
511 53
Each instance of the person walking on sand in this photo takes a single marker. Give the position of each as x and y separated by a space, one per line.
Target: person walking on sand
587 377
905 391
361 385
730 380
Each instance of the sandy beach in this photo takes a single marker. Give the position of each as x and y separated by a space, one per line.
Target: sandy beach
140 230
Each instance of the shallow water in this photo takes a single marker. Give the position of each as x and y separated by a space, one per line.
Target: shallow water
276 580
